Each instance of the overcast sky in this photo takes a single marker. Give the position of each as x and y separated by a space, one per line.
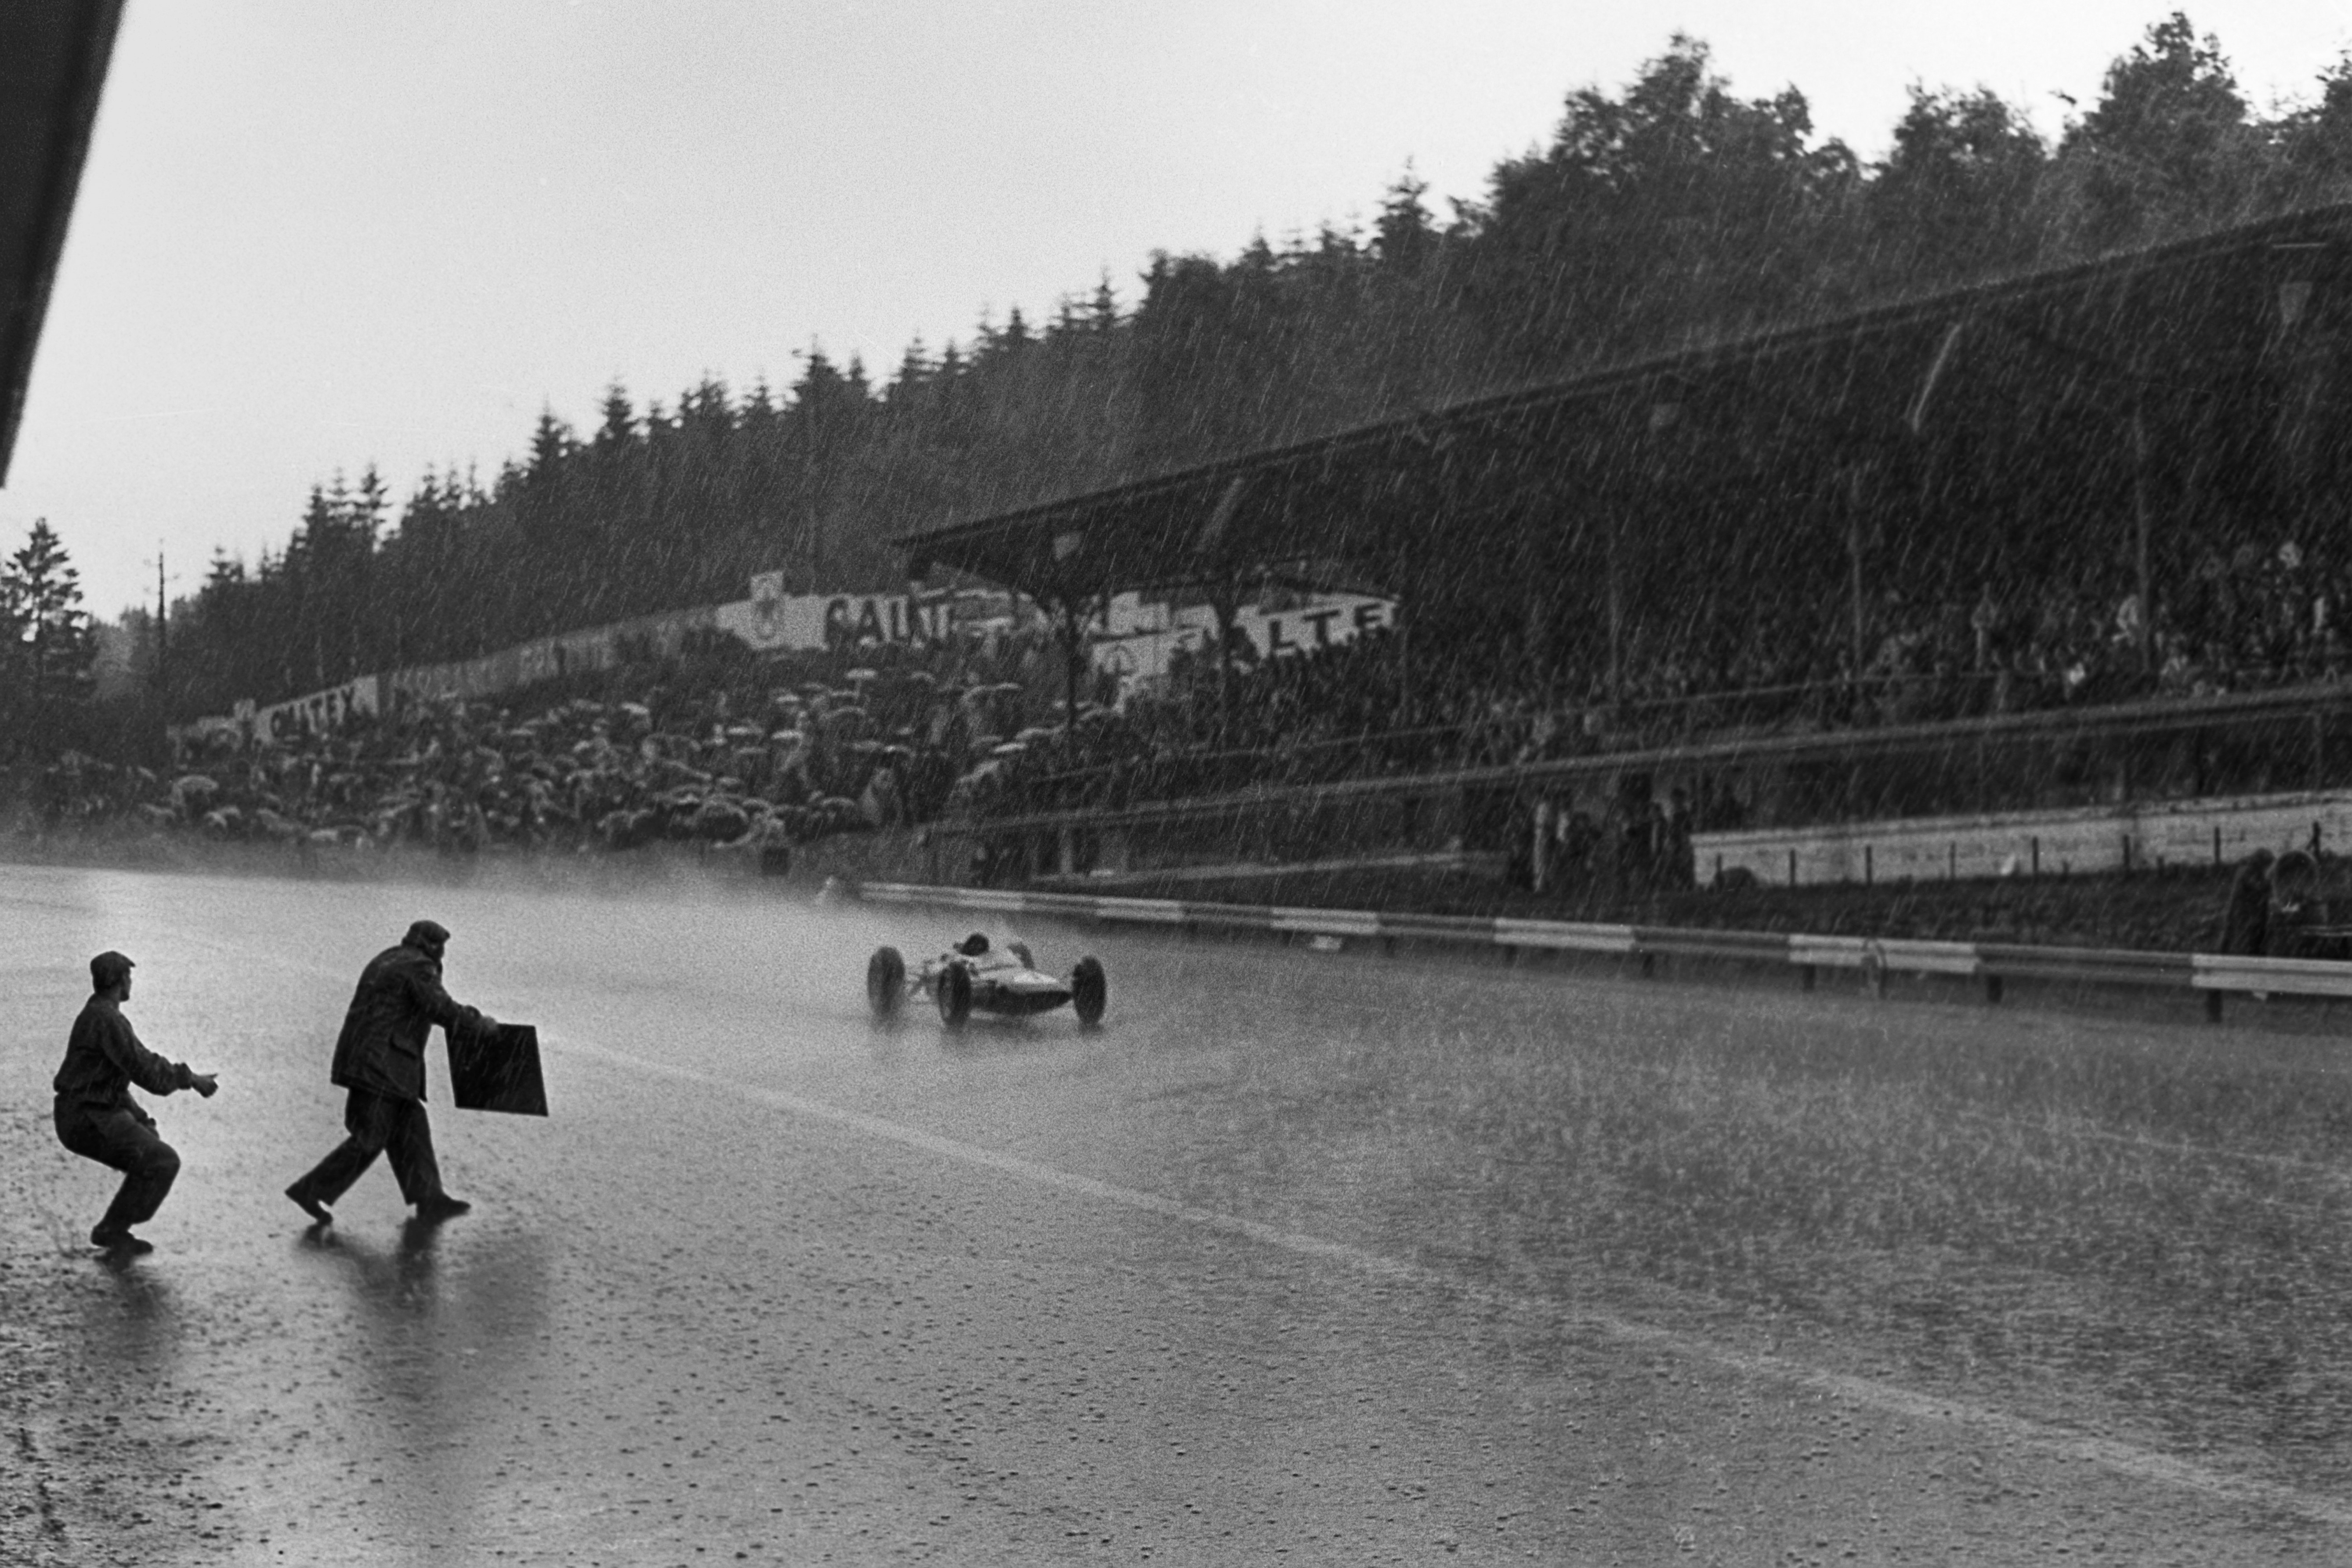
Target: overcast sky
315 237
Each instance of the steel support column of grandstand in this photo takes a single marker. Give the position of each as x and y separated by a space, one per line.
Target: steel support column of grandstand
1849 497
1071 600
1614 567
1069 629
2143 530
1222 585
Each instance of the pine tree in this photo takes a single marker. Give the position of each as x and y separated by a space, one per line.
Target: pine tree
16 656
212 647
821 426
52 641
1404 236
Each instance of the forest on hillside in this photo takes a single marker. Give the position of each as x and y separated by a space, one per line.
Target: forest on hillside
1668 212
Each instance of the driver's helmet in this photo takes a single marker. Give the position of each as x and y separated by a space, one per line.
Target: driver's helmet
973 946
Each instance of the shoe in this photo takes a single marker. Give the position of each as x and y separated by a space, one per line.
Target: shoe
119 1240
434 1209
309 1205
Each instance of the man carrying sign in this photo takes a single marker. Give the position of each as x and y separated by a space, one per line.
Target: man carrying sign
380 1059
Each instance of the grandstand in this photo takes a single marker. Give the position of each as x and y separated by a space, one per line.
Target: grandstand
2067 543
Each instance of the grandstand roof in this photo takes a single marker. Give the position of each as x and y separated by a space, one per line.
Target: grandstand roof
53 59
2185 328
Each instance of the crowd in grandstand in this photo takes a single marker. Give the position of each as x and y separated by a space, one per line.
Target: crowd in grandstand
2252 619
2255 619
715 749
725 751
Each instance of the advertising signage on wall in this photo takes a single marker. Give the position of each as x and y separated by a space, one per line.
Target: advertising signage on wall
1133 639
548 658
315 713
1139 644
1317 624
772 620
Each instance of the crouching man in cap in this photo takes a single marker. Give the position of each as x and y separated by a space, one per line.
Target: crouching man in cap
380 1059
96 1116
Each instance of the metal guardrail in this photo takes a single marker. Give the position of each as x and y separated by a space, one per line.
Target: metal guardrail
2214 975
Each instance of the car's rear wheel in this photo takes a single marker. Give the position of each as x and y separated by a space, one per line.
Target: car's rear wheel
1089 991
885 982
954 994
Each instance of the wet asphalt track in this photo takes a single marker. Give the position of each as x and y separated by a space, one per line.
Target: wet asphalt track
1329 1258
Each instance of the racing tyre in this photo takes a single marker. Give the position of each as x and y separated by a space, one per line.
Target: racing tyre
885 982
1089 991
955 995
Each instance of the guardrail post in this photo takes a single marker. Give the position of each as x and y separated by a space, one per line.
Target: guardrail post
2212 1006
1805 976
1649 964
1992 989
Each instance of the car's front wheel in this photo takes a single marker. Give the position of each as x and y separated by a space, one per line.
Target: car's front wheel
954 994
1089 991
885 982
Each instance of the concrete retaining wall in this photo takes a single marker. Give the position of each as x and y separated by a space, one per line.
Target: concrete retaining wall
2081 841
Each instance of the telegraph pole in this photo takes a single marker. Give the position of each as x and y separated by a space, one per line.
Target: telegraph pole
162 674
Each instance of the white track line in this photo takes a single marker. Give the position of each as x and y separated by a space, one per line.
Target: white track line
2124 1458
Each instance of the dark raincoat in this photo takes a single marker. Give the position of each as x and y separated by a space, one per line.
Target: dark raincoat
104 1057
399 999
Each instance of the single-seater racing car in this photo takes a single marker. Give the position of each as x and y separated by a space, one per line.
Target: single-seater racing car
974 975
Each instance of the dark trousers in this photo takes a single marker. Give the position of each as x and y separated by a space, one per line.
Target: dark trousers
379 1125
125 1141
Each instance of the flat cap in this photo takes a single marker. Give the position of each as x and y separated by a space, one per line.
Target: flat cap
426 934
109 966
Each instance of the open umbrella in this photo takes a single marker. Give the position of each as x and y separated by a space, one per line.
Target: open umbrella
720 820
